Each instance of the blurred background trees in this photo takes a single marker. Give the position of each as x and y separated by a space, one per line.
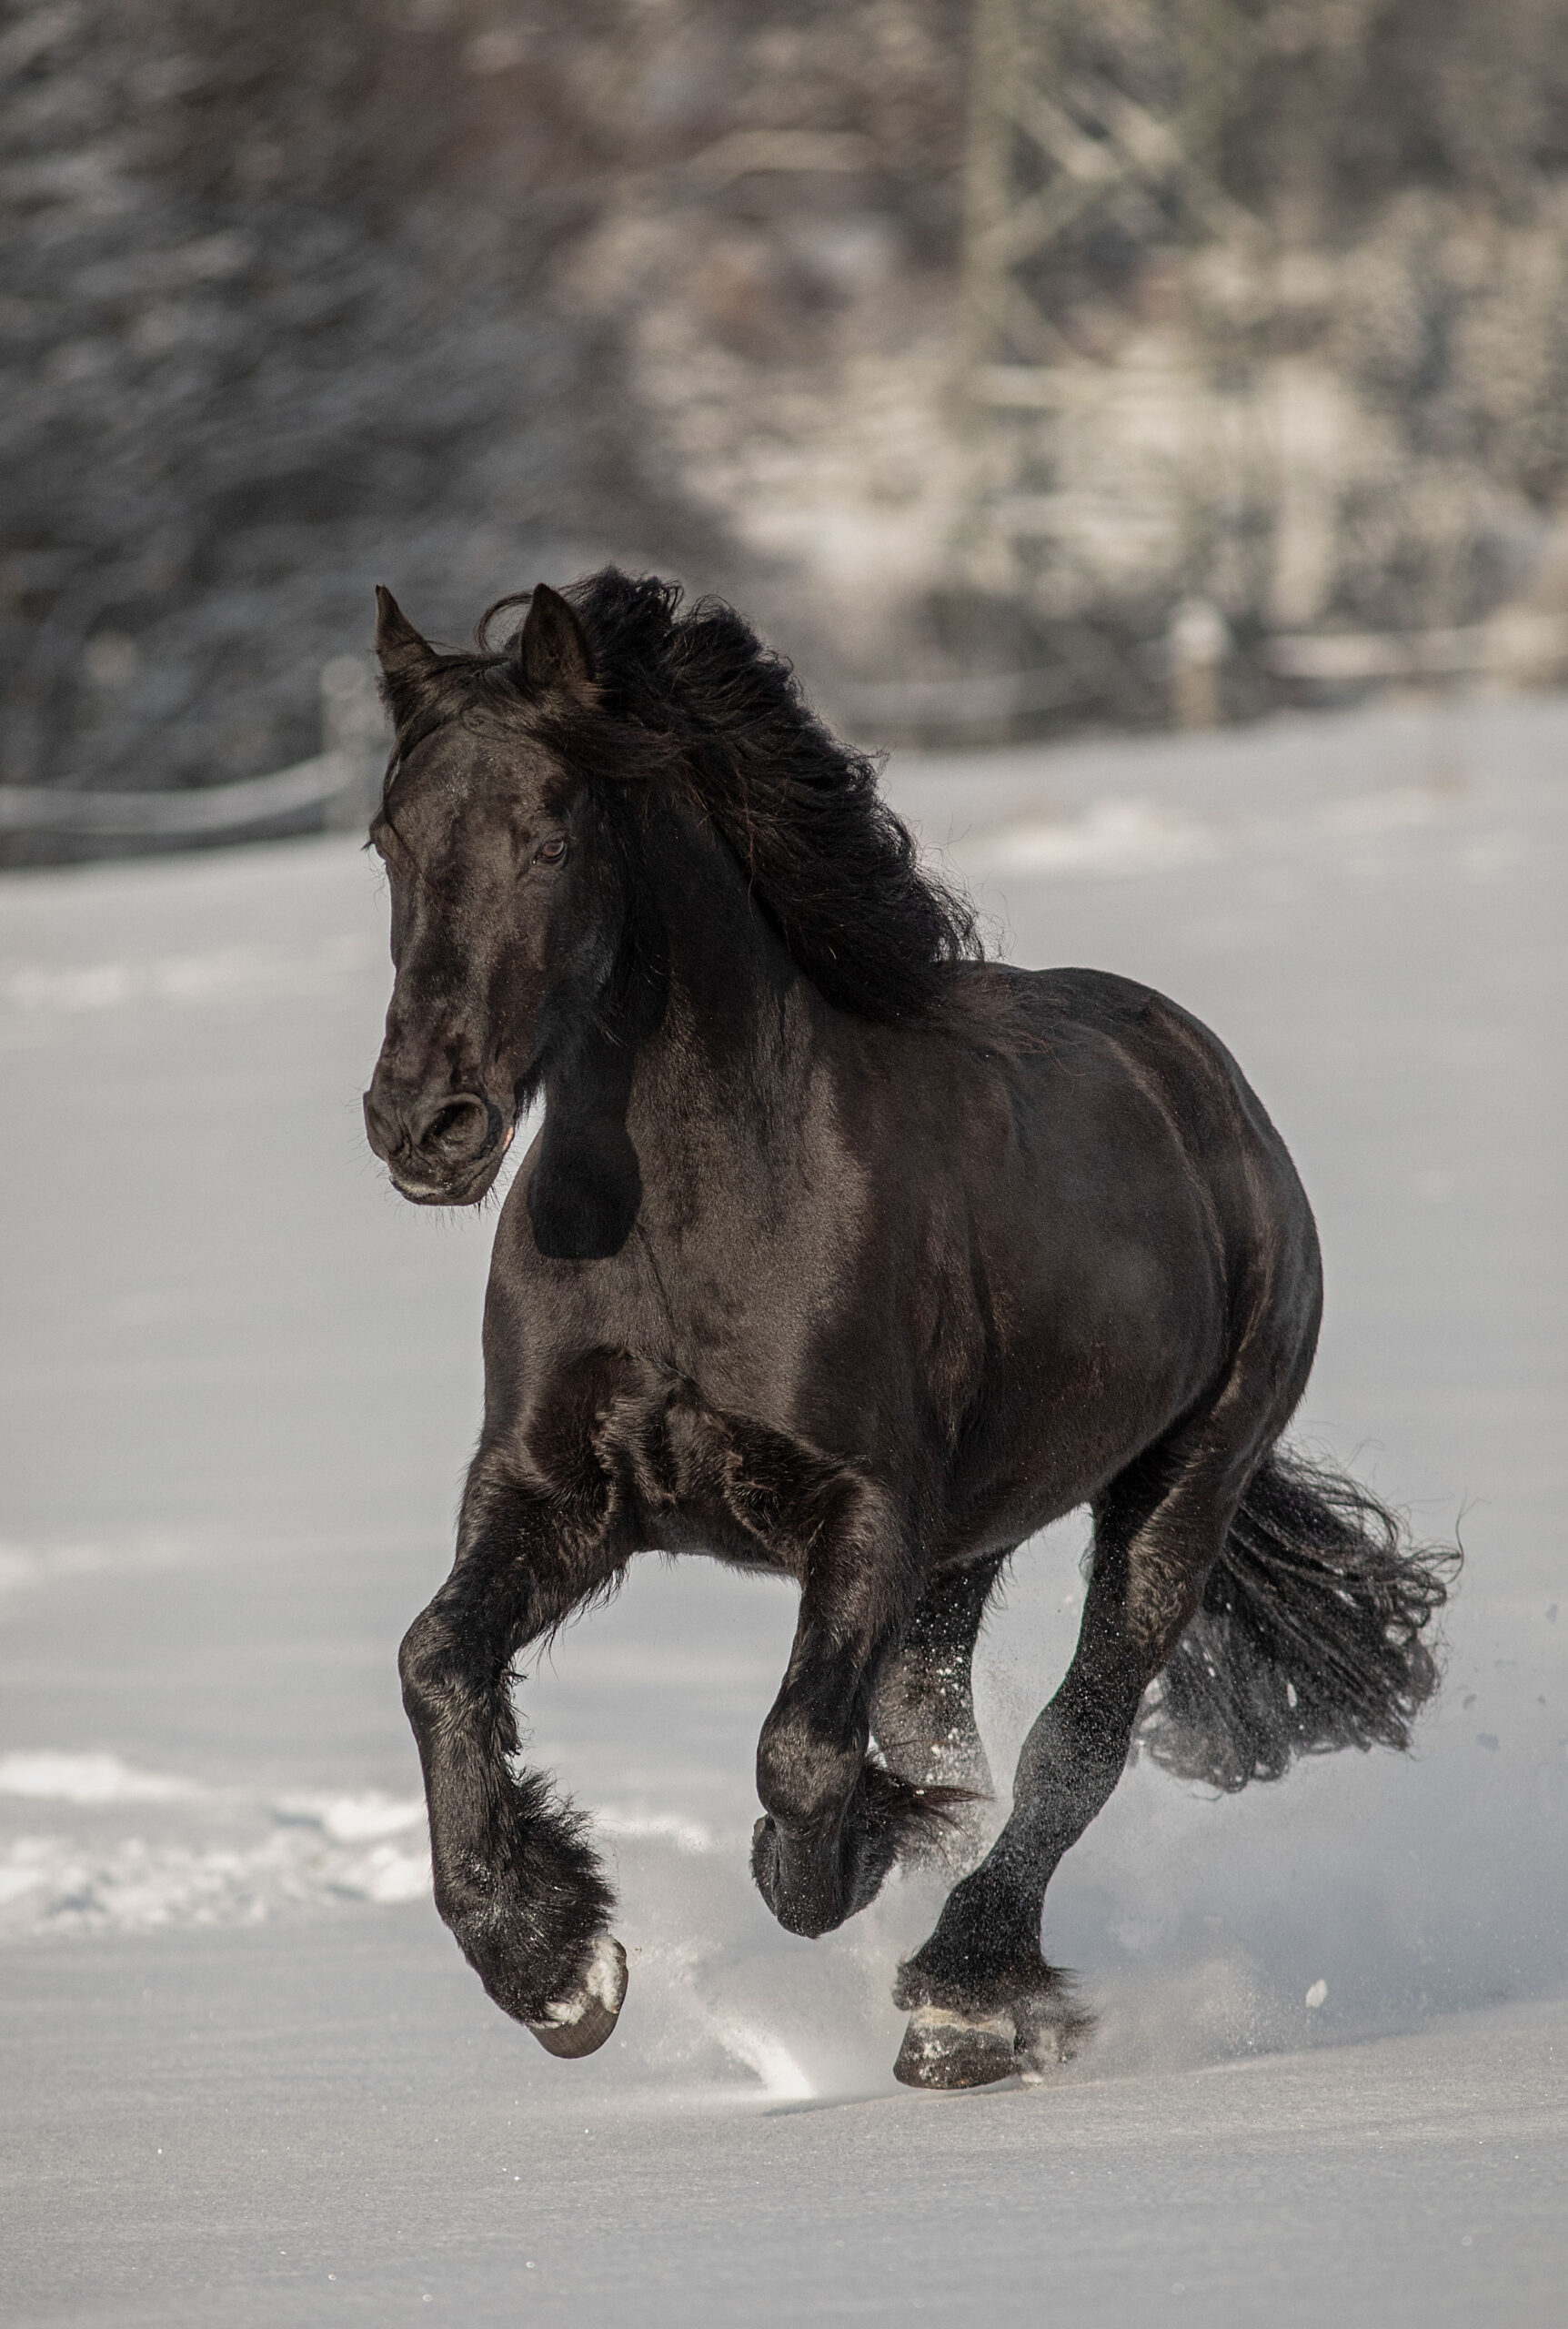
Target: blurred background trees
1178 354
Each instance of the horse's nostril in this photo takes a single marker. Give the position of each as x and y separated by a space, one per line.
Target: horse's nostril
457 1131
447 1122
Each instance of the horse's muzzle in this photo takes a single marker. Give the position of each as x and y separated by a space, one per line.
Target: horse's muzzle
441 1151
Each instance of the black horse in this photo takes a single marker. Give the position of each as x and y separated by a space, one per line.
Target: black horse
849 1255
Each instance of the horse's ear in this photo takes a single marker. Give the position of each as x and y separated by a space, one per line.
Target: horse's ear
405 657
550 649
402 654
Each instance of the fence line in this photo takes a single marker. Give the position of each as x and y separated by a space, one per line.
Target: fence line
331 780
342 781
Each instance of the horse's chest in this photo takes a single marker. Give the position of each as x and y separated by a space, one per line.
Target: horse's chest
695 1477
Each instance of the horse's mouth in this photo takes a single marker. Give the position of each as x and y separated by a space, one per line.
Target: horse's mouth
462 1188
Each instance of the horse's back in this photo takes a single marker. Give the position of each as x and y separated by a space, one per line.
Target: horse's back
1068 1033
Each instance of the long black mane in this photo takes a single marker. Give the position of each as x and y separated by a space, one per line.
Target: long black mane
691 699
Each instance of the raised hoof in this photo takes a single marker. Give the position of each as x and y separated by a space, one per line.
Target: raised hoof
943 2048
579 2024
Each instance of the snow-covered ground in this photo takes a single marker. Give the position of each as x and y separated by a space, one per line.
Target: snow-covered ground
246 2076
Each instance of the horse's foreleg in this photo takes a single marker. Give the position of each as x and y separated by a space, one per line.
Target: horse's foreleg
922 1704
985 2003
515 1880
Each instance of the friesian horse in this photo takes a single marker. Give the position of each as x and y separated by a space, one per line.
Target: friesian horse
846 1254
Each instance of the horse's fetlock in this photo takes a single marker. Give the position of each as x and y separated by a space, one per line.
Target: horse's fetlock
529 1931
982 1980
802 1779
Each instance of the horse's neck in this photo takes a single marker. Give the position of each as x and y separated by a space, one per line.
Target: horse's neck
740 1044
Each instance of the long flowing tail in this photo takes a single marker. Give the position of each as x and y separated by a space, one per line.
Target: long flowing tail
1309 1638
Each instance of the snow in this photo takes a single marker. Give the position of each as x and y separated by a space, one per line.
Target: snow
246 2075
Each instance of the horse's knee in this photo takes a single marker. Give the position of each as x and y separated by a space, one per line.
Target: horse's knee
428 1666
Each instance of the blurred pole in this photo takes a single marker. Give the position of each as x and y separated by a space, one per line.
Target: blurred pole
354 731
993 65
1009 352
1196 645
1059 148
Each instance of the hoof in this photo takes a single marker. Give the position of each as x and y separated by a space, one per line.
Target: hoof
1025 2039
579 2024
951 2049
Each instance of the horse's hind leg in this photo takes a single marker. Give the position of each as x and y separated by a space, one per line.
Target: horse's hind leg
922 1706
985 2003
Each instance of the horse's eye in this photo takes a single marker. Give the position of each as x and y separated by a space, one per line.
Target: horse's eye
551 852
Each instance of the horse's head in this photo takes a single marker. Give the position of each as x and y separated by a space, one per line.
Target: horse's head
555 831
509 898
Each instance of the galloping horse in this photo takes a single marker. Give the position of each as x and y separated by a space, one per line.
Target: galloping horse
846 1254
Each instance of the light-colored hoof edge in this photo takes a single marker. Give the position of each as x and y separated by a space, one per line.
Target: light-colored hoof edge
579 2024
945 2049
